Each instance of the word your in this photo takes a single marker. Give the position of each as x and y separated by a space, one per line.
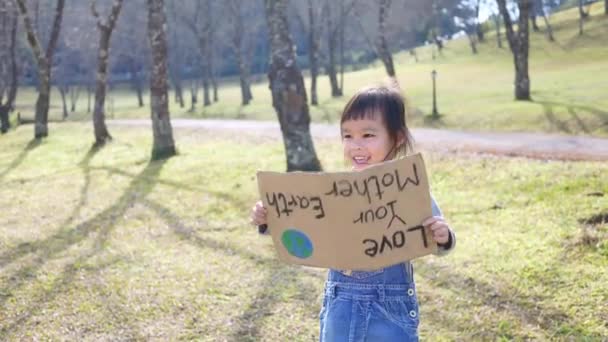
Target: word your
285 204
396 241
379 214
373 186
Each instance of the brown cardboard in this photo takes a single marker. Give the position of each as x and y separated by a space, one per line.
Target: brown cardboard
361 220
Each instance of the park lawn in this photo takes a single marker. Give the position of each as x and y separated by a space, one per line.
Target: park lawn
105 245
475 92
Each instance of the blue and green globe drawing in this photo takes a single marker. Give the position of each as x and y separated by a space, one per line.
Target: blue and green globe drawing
297 243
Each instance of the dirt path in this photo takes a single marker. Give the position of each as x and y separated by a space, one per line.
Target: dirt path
531 145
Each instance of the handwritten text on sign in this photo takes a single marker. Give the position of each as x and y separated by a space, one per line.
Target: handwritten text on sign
350 220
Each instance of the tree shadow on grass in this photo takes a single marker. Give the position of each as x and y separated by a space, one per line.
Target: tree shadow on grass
501 298
574 110
47 249
248 323
34 143
234 200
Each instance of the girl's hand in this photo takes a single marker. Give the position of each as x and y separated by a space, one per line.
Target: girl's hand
258 214
440 229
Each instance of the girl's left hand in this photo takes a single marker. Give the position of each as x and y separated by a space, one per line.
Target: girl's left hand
440 228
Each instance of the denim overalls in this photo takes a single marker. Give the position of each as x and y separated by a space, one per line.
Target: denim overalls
378 305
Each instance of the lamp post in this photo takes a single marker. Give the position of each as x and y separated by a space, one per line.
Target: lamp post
435 114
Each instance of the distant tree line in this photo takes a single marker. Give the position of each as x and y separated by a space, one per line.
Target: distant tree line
188 44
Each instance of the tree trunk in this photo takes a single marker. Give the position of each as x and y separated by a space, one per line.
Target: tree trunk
5 123
606 7
478 28
179 91
331 52
246 95
313 55
519 44
383 50
206 92
534 24
341 44
211 71
88 98
163 146
7 107
105 28
193 95
473 42
498 34
44 61
63 89
74 95
549 28
137 83
582 16
288 91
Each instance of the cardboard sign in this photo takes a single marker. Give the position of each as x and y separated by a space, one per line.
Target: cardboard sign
361 220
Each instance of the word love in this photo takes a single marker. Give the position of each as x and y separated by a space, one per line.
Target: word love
285 204
397 240
373 186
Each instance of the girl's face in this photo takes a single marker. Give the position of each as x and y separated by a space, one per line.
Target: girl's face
366 142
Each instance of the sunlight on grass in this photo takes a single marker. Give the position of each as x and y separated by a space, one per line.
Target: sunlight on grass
103 244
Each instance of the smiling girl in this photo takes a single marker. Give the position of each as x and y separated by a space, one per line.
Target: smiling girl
377 305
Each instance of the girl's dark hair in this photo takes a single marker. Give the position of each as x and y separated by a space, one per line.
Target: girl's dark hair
384 101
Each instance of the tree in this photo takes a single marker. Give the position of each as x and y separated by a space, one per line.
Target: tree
582 16
382 46
519 44
606 7
202 29
335 14
538 8
496 18
163 145
131 49
242 34
398 22
105 27
288 91
478 28
466 17
177 56
313 28
8 62
44 61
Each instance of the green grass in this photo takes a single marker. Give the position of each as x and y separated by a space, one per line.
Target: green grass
106 245
475 92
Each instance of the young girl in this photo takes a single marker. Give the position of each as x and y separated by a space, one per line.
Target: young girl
377 305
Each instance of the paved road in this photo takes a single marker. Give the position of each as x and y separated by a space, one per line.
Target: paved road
531 145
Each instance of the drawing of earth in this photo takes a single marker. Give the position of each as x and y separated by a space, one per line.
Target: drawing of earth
297 243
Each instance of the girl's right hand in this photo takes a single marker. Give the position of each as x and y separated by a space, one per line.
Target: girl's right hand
258 214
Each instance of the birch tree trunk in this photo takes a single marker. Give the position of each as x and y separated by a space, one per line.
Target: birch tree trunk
519 43
288 91
44 60
163 145
105 28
